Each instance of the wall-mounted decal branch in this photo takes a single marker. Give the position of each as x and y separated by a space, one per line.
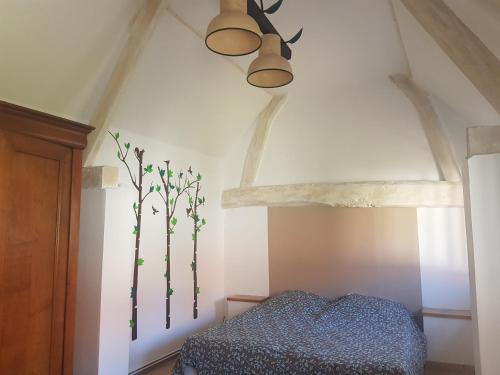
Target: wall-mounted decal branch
173 188
192 212
137 182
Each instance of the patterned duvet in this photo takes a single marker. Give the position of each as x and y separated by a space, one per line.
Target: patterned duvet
302 333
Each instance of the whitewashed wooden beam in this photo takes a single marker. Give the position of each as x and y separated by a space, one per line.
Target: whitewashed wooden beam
359 194
461 45
257 145
439 144
139 34
101 177
483 140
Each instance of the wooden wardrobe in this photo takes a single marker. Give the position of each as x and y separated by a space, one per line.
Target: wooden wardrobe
40 184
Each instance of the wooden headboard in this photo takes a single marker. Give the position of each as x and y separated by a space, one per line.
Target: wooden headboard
335 251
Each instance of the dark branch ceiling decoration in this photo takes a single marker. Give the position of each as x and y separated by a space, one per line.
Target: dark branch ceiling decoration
237 31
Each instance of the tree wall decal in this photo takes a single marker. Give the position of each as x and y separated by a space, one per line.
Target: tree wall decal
173 188
192 212
137 207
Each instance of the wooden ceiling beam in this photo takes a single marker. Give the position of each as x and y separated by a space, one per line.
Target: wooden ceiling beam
438 142
140 32
257 145
461 45
356 194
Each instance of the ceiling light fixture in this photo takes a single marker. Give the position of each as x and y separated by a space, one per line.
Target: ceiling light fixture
270 69
233 32
237 30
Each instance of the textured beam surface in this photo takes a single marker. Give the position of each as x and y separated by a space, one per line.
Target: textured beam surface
258 143
461 45
483 140
438 142
99 177
359 194
140 31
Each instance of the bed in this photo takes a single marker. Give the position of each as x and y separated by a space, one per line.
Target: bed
302 333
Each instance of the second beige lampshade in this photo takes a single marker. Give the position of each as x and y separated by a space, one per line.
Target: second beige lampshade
233 32
270 69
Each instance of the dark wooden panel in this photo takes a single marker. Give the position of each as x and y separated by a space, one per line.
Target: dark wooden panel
335 251
34 221
44 126
74 227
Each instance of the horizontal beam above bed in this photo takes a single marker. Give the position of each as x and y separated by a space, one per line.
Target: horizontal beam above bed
356 194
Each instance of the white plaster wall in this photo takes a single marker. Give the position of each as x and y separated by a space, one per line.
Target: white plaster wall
246 263
484 257
369 132
117 258
154 341
454 127
88 299
445 282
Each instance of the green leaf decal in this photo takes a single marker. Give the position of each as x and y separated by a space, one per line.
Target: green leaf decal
173 221
203 222
193 236
198 177
200 201
166 258
193 266
171 186
170 291
151 188
158 188
196 218
149 168
165 275
132 292
171 201
197 290
118 155
140 262
162 172
131 323
117 135
181 174
127 145
136 230
135 205
170 173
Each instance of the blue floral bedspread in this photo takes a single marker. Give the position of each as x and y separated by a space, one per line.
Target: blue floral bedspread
302 333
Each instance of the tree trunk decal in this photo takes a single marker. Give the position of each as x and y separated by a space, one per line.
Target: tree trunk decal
173 189
137 207
192 212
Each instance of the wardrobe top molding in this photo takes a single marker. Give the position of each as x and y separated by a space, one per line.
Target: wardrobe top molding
43 125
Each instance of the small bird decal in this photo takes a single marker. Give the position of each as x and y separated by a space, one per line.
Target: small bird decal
188 211
190 170
155 211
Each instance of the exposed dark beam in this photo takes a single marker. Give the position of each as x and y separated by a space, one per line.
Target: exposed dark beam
266 26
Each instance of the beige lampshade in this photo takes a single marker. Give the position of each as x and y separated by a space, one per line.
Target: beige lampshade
270 69
233 32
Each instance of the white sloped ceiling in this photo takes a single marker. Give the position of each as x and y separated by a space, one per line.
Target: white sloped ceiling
56 55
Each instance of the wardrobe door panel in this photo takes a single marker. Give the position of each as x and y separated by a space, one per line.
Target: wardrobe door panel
34 234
